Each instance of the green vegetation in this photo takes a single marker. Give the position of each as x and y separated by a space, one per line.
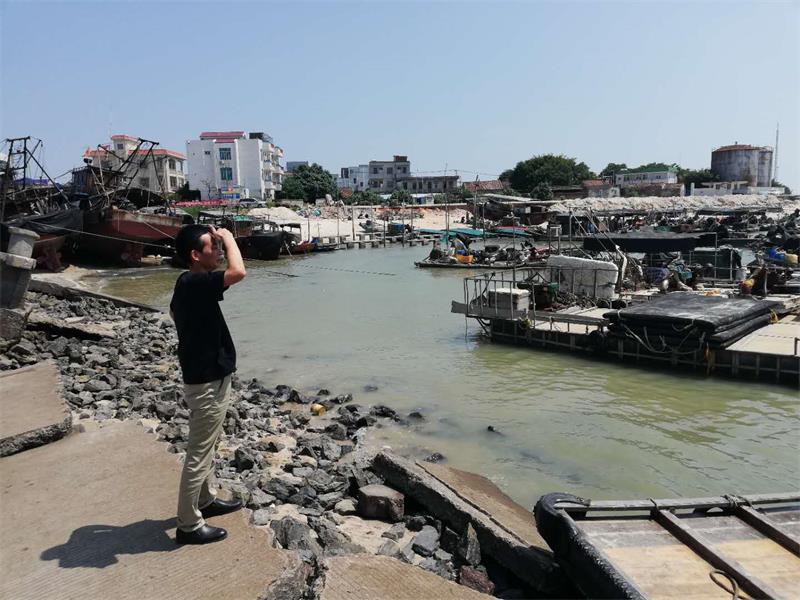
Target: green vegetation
542 191
547 168
365 198
612 169
308 182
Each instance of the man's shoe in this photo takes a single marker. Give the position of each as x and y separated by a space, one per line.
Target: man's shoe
202 535
220 507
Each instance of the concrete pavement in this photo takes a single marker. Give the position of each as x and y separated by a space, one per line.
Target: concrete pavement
92 516
32 410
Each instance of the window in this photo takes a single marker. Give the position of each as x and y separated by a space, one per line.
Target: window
119 146
405 185
224 153
173 183
430 185
388 170
207 152
144 182
225 173
172 163
374 170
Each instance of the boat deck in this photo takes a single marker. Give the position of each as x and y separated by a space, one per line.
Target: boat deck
778 338
685 548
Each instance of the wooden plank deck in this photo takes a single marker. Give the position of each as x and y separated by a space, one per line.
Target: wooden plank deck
777 338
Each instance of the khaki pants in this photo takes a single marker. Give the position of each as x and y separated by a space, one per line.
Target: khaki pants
207 403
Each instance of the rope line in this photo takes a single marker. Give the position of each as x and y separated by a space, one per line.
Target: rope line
349 270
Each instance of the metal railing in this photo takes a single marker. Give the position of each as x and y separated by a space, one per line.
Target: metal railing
496 294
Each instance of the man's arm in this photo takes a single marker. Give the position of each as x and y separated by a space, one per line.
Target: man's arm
235 271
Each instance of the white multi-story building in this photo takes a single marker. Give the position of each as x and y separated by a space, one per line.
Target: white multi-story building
233 165
646 176
354 178
159 170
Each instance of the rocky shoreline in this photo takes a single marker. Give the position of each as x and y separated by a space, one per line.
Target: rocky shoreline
298 460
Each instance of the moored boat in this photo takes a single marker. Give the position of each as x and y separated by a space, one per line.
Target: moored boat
124 235
676 548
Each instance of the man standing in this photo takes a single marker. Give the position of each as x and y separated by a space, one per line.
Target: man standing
207 358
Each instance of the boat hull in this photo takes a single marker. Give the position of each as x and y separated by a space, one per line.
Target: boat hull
262 246
123 236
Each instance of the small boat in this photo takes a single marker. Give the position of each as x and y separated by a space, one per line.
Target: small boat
433 264
514 232
679 548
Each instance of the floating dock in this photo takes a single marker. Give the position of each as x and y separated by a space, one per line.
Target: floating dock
769 354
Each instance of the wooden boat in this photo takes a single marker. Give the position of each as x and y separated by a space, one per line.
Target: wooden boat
432 264
681 548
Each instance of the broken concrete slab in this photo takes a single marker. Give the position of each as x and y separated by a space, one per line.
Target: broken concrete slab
84 331
93 517
39 283
364 577
33 410
506 531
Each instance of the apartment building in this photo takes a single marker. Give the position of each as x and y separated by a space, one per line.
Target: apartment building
160 171
232 165
386 176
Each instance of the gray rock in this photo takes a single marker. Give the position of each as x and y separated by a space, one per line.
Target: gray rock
383 411
243 460
259 498
469 548
97 385
380 502
407 553
302 471
345 507
436 457
395 532
330 449
335 542
426 542
165 410
390 548
329 499
324 483
262 516
23 348
442 556
294 535
336 431
415 523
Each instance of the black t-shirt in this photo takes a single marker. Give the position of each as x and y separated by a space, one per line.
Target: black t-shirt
205 348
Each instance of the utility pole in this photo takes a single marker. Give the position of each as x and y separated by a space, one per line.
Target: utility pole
775 157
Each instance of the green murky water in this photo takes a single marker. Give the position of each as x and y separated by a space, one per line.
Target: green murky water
565 423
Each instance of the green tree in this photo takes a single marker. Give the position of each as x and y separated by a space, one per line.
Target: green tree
311 182
696 176
292 189
365 198
612 169
776 183
550 169
400 197
542 191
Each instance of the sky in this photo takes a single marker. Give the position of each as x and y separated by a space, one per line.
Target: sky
471 87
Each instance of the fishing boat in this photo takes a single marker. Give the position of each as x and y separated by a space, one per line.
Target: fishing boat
124 235
37 204
257 239
714 547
